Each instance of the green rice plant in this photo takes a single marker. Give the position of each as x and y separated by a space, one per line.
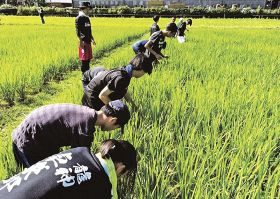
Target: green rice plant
47 52
8 92
208 119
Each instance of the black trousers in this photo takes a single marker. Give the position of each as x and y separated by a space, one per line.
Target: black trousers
27 160
94 103
85 66
42 19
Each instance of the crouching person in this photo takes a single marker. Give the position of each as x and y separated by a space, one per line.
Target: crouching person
156 43
104 86
76 173
182 27
50 127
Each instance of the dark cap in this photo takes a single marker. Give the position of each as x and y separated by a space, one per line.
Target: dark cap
85 4
171 27
189 22
121 112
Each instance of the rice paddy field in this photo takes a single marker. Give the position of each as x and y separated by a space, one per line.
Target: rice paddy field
208 120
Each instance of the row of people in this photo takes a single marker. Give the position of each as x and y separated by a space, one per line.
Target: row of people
152 47
77 173
38 139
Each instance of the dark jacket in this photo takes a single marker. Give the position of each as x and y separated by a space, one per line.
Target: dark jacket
72 174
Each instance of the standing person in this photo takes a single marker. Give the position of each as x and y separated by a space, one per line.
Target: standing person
157 41
113 84
77 173
83 30
181 30
41 14
182 27
50 127
155 27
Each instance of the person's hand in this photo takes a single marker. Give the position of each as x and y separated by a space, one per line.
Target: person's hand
159 57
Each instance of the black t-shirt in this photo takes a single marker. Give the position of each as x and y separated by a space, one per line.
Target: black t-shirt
41 12
83 28
157 40
90 74
50 127
72 174
154 28
117 81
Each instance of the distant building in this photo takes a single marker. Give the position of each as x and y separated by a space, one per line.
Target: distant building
113 3
59 3
168 3
228 3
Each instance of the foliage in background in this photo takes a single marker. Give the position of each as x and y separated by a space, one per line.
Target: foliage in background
198 11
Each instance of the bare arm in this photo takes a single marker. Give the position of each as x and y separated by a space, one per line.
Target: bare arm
104 95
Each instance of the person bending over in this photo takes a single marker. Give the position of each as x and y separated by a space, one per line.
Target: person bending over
113 84
50 127
77 173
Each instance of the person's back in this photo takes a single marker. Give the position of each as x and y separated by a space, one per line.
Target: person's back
158 43
181 28
139 46
91 73
117 80
72 174
77 173
50 127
